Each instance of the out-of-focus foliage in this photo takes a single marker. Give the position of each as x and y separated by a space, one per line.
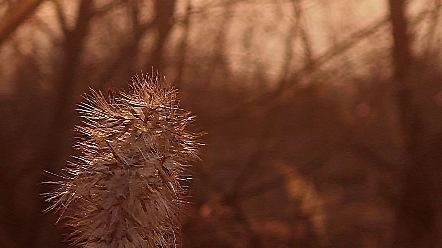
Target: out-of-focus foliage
306 144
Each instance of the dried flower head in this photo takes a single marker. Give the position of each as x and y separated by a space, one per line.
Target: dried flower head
124 190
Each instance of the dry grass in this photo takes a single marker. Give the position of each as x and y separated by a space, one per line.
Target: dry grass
125 189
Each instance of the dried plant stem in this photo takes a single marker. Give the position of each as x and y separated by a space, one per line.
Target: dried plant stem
124 190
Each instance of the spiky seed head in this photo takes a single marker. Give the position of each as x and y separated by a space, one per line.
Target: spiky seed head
124 190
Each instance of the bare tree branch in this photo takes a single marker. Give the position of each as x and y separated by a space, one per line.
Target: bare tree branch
130 49
183 45
164 10
60 16
18 13
106 8
272 100
432 32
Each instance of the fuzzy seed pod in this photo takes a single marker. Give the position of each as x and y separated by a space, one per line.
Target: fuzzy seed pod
124 190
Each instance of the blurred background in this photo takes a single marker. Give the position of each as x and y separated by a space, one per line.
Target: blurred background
324 117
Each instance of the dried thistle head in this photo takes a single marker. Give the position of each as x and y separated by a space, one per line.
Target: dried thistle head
124 190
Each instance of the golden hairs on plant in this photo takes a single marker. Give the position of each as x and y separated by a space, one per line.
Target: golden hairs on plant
124 190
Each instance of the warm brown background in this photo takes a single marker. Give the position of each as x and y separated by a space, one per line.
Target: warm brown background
324 117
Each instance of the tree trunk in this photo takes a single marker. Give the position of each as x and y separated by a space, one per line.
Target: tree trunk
417 206
52 154
164 10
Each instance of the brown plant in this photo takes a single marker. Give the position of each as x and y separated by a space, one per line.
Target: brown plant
124 189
